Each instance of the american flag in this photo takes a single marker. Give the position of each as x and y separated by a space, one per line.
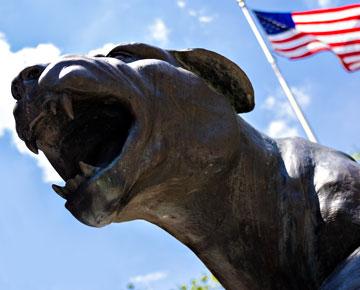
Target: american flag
300 34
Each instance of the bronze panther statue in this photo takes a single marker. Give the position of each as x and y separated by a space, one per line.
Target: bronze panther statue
146 133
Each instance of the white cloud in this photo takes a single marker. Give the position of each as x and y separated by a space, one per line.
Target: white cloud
192 13
159 31
302 96
269 103
147 278
105 49
284 119
325 3
198 14
206 19
321 3
281 128
181 3
11 64
279 106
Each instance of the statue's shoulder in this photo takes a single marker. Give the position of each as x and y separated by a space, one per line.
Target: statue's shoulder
298 156
303 155
337 183
334 175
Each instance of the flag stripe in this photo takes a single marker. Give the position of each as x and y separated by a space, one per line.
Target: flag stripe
292 35
326 16
311 47
311 52
289 35
332 27
330 21
351 59
294 48
294 43
354 66
327 10
314 46
356 41
343 55
306 41
333 32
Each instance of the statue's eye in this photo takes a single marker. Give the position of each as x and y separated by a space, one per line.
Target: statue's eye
123 55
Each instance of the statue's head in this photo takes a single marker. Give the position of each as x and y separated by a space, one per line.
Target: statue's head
134 131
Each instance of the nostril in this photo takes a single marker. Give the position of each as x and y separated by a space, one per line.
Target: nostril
16 89
25 80
16 110
32 72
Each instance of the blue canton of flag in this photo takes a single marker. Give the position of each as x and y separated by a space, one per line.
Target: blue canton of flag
274 23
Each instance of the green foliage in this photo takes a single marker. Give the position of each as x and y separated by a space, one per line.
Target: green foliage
356 156
205 282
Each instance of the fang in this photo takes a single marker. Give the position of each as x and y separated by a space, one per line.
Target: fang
87 169
32 146
60 190
68 107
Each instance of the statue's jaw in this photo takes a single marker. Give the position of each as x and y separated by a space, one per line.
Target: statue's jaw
82 136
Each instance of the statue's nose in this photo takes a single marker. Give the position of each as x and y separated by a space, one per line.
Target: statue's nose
26 80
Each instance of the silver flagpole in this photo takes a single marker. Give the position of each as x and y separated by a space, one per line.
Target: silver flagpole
294 105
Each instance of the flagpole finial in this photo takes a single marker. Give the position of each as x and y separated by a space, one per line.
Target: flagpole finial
241 3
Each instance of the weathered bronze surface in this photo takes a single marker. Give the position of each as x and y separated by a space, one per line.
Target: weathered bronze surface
145 133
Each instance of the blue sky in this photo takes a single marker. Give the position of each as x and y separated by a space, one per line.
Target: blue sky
42 246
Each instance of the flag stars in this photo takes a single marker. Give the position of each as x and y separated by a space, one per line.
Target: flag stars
272 26
275 23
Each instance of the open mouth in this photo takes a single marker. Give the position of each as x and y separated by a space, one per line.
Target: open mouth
82 138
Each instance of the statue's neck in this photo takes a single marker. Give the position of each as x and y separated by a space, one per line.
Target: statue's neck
247 241
245 218
233 227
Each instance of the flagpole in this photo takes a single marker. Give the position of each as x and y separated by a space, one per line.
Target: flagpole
294 105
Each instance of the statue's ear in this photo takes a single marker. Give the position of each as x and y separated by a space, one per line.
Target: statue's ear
221 74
